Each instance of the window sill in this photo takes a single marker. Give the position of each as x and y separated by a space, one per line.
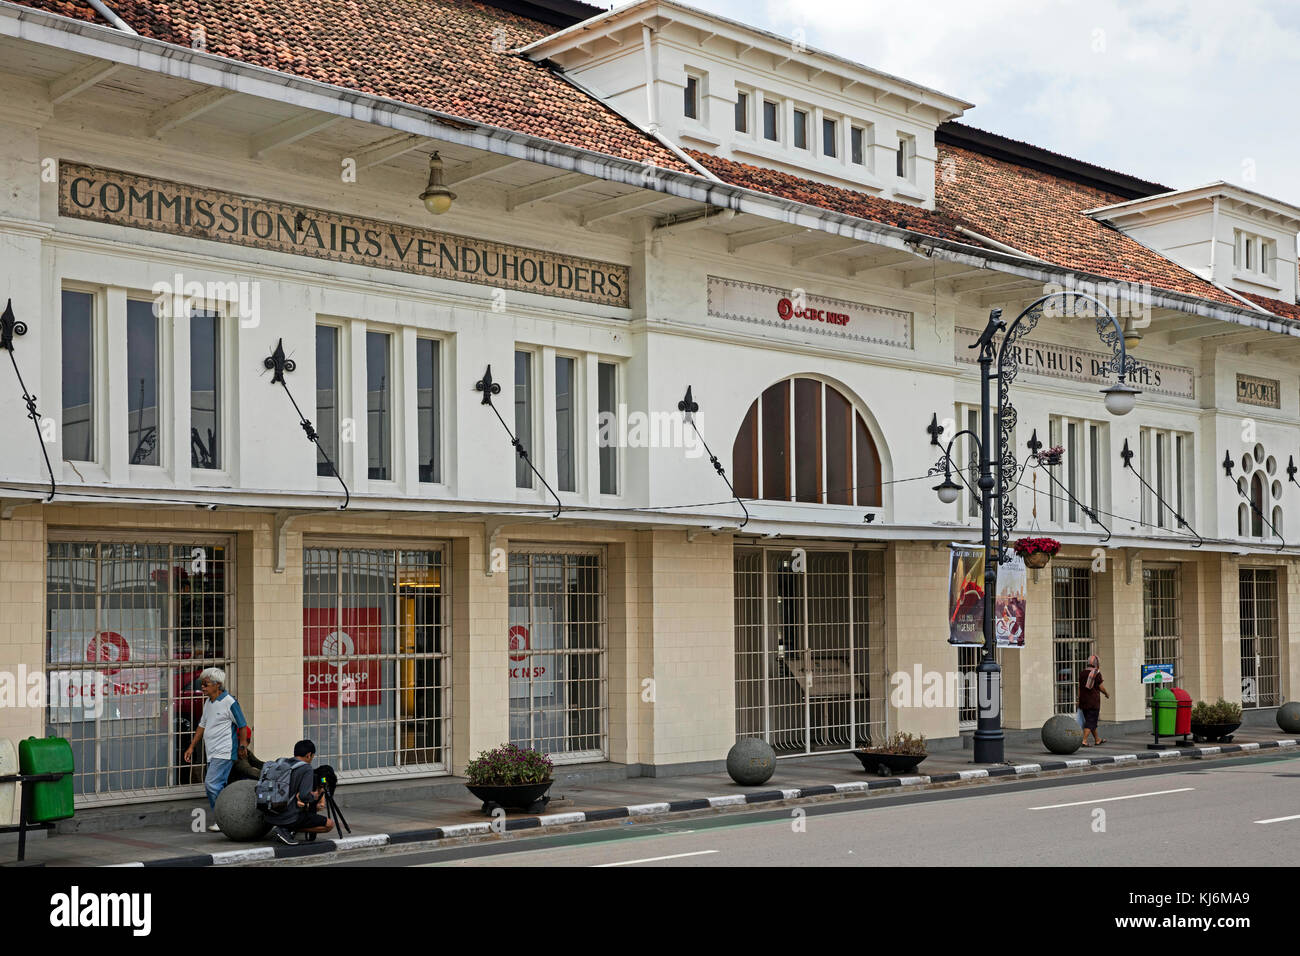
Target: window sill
694 131
1256 279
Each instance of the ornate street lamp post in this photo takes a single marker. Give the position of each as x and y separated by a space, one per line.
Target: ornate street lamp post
996 475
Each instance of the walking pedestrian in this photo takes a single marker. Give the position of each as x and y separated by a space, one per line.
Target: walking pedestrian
222 727
1091 690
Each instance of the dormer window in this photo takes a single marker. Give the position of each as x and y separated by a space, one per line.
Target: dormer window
1253 255
769 121
742 112
830 138
858 146
906 167
692 97
801 129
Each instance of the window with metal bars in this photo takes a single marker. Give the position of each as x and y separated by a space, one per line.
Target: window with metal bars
556 653
1073 613
1162 621
377 658
130 625
1260 683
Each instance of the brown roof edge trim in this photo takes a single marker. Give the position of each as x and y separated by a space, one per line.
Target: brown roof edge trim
1035 157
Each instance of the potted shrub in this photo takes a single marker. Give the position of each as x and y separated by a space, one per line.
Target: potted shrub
1037 552
1215 723
510 777
900 753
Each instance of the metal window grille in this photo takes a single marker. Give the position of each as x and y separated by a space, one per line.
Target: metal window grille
377 659
1259 638
556 650
968 660
810 649
1073 612
148 617
1161 617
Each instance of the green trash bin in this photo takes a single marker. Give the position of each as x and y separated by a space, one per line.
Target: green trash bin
1164 712
50 800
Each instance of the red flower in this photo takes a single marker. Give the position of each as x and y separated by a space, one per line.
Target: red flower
1028 546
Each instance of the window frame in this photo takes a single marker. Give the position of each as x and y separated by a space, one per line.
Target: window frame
163 376
775 107
221 400
438 391
741 119
576 386
796 114
609 453
391 390
691 98
522 471
335 452
97 367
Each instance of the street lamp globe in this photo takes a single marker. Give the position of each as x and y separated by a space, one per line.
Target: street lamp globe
1120 398
948 490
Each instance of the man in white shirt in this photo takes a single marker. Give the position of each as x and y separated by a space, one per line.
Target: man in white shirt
225 730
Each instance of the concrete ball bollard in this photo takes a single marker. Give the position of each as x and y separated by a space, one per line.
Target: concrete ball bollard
237 812
751 762
1062 734
1288 717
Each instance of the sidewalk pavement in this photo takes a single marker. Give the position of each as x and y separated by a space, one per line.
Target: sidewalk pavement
453 813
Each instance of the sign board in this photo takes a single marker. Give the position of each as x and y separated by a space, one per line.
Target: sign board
1081 365
1264 392
159 205
340 636
1157 673
101 674
966 599
794 311
531 671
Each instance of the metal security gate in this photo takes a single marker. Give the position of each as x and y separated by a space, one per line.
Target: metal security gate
1161 616
1259 640
809 648
376 667
556 653
1073 613
131 623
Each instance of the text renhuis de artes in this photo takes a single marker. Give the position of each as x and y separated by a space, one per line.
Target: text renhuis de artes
1032 359
788 310
127 199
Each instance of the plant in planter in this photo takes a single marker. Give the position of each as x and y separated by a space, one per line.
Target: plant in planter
900 753
1215 722
510 776
1037 552
1051 456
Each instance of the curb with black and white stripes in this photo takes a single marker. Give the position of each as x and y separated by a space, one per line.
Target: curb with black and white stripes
435 834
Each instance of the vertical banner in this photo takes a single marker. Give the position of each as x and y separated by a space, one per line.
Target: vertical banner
966 599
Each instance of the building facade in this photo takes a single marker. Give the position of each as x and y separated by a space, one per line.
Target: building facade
654 207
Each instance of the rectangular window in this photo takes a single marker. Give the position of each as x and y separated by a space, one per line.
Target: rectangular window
830 138
379 405
205 390
607 388
1072 452
1094 468
565 445
800 129
428 407
78 376
692 97
327 397
1162 460
1073 611
523 416
143 364
906 157
1160 619
769 121
857 146
742 112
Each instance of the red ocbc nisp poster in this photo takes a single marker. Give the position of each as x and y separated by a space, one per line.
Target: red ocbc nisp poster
340 680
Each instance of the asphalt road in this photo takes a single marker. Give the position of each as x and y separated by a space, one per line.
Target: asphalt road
1244 811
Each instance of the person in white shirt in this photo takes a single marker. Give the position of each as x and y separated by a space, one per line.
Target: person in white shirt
225 731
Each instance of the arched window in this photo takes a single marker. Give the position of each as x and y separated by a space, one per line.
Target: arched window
1258 512
802 440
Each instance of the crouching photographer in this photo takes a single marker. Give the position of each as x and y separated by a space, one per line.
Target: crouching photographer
290 792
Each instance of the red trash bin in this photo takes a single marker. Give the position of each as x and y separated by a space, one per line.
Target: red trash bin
1183 719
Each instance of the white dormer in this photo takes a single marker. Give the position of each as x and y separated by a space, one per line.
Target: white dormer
1231 236
714 85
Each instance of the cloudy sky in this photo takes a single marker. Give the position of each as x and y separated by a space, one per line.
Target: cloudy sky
1182 92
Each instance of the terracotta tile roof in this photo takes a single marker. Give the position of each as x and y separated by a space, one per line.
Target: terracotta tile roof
1287 310
1042 214
446 55
836 198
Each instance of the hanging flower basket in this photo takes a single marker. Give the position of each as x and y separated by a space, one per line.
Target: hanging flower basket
1037 552
1051 456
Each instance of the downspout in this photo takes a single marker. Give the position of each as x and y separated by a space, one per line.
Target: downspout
652 114
1214 238
111 17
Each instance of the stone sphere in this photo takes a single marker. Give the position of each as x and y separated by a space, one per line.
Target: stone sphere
1062 734
237 812
1288 717
751 762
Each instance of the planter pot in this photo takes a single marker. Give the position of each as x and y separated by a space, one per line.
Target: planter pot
1213 733
524 796
885 765
1037 560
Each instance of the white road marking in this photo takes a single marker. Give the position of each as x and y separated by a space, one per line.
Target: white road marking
656 859
1280 819
1133 796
